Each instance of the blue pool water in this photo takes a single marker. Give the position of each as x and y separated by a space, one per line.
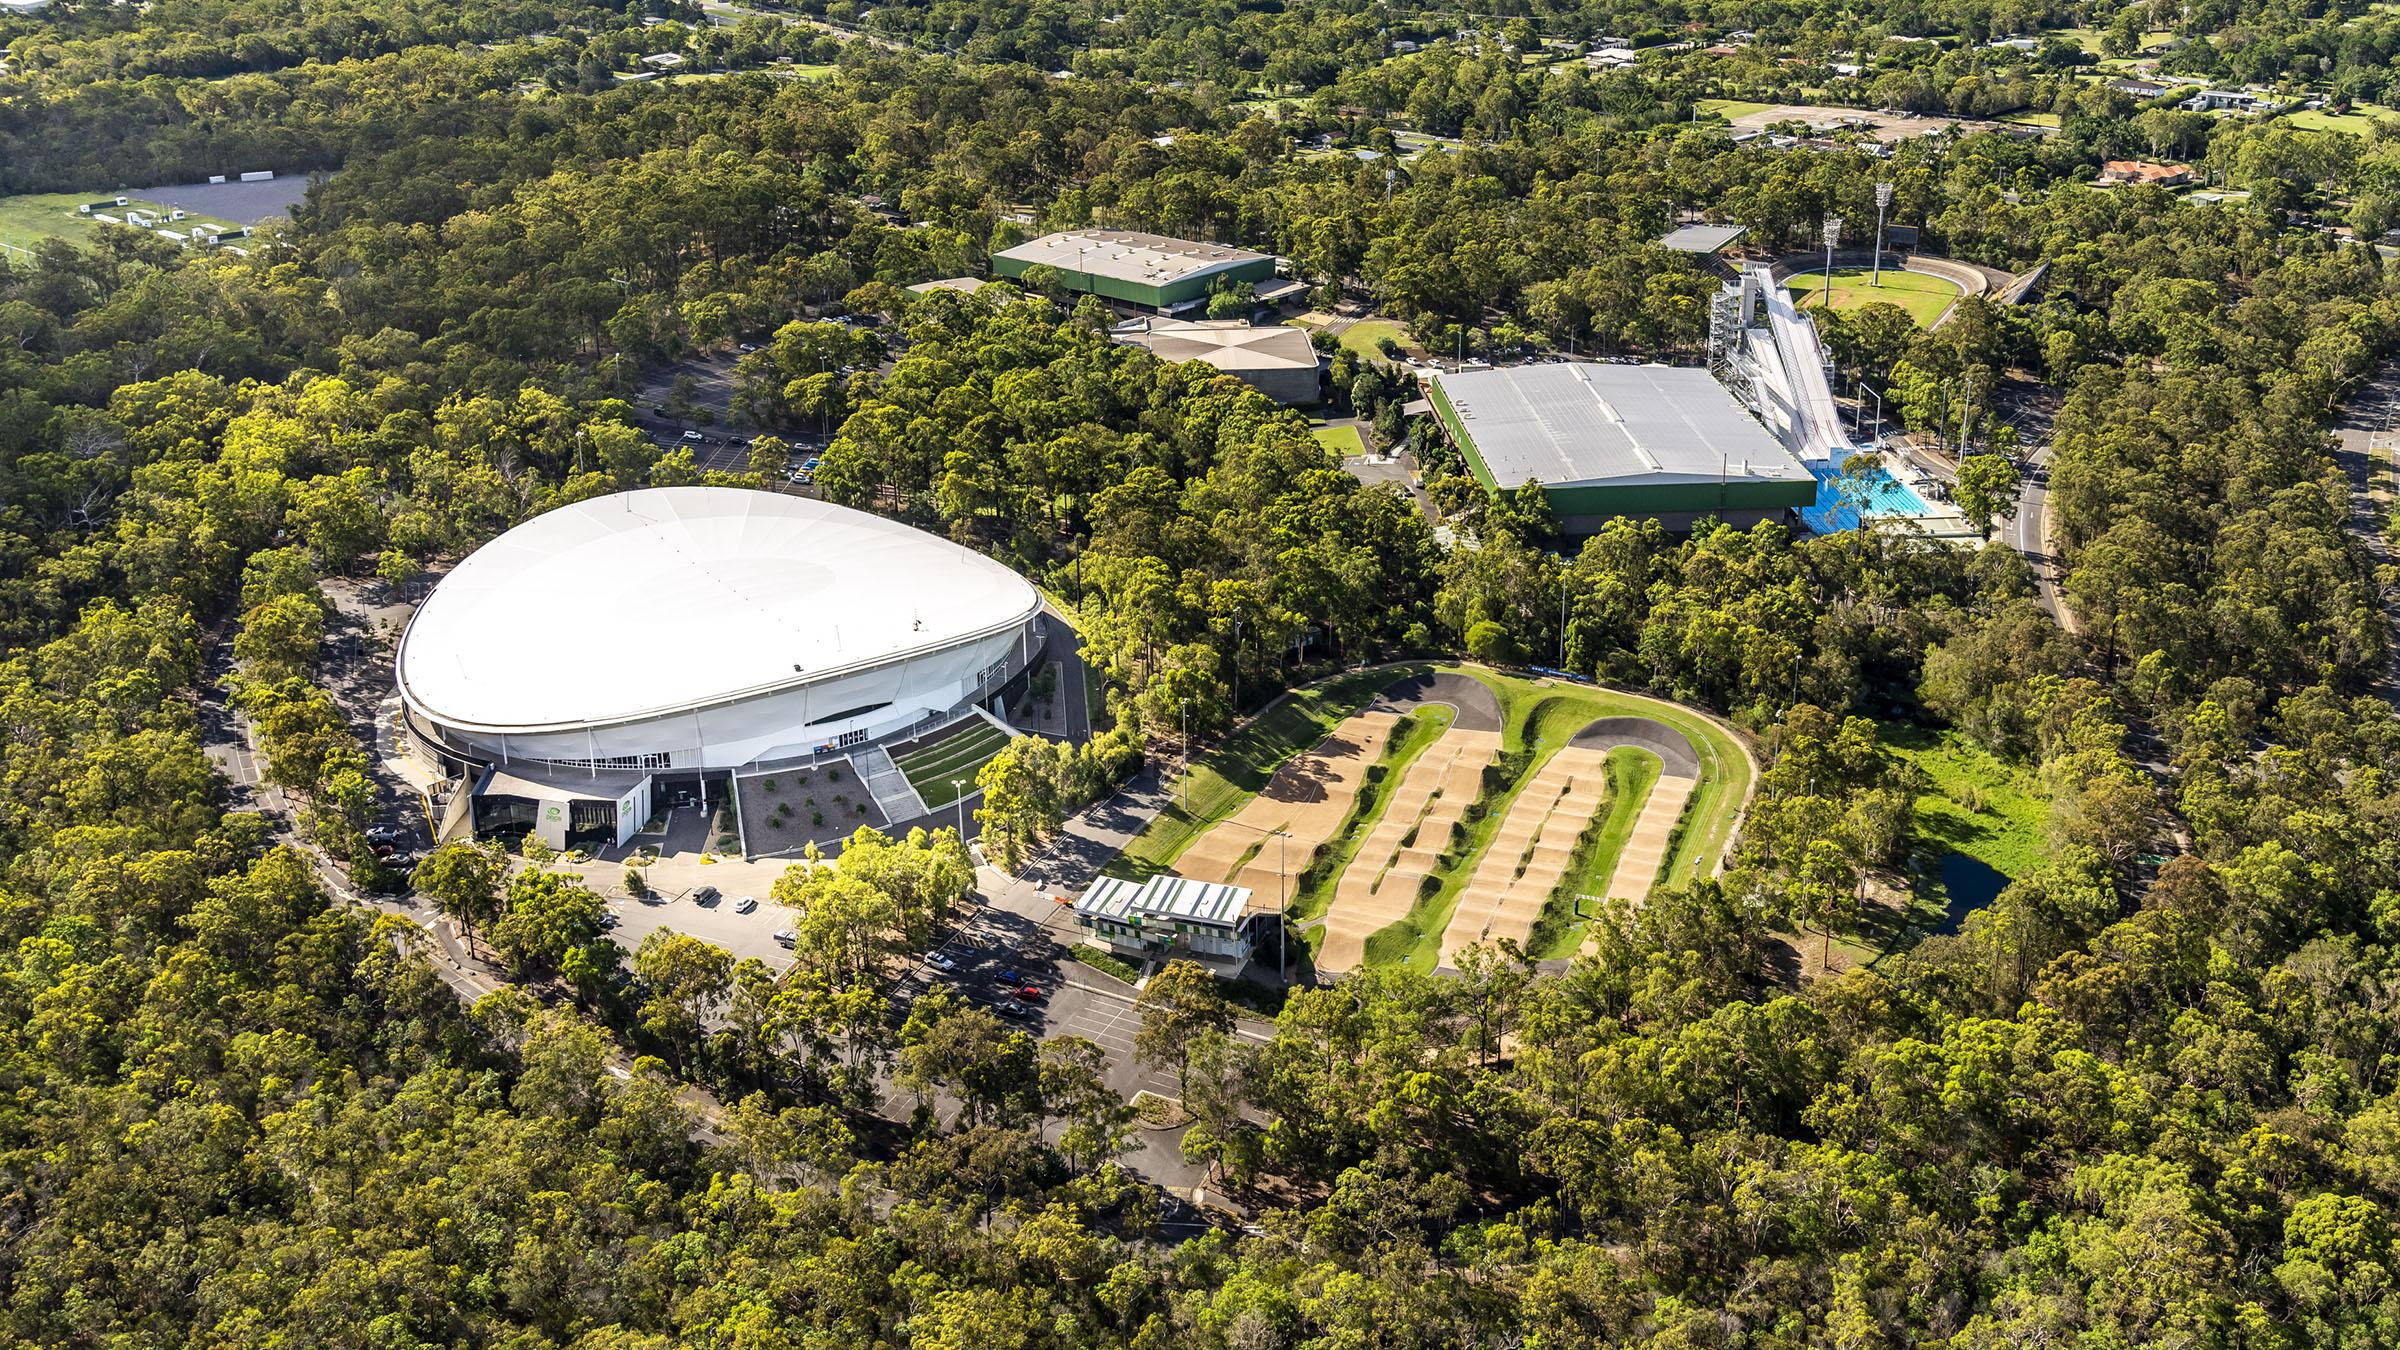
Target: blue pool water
1831 513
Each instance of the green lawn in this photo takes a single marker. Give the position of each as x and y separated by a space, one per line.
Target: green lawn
1342 440
1924 297
1729 108
1222 780
960 756
2032 119
2359 121
1973 802
29 219
1365 337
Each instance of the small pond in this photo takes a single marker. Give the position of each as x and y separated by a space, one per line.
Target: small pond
1971 884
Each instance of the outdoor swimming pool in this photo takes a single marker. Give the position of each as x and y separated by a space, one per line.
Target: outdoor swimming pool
1831 513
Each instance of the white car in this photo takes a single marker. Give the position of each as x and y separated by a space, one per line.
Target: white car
694 436
940 962
746 904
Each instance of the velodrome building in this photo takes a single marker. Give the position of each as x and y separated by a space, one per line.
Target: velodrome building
574 666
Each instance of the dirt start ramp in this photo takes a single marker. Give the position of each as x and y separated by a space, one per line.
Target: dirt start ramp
1307 800
1384 877
1530 855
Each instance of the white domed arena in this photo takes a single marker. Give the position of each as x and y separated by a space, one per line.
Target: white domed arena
666 639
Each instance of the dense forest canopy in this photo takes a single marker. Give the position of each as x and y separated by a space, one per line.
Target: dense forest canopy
2147 1096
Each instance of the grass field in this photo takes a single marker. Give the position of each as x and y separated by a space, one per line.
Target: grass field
2032 119
1974 804
2359 121
1729 108
29 219
1342 440
1363 338
956 757
1924 297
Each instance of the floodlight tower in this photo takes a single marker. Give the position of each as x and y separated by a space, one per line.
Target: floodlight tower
1833 235
1883 198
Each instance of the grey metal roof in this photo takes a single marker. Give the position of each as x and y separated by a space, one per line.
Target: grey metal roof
1128 255
1567 424
1701 238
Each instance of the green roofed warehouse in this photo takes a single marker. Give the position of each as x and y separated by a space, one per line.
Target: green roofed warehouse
1612 440
1151 271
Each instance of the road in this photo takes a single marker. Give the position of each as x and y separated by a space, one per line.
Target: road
2029 532
2366 435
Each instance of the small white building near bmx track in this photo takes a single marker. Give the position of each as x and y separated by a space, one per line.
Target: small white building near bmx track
604 651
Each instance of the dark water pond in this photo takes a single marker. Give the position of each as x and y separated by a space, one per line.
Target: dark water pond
1971 884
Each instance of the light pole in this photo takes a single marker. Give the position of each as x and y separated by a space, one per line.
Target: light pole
958 794
1833 235
1563 579
1183 713
1883 198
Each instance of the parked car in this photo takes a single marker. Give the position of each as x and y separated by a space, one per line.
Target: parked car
381 834
939 961
1031 993
1013 976
707 895
694 436
1011 1011
746 904
787 939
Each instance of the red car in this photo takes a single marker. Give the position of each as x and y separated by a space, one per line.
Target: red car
1029 993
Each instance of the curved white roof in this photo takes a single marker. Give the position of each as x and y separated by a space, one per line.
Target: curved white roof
643 603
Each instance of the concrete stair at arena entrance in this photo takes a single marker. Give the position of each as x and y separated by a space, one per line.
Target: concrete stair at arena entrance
1530 855
893 795
1380 885
1306 801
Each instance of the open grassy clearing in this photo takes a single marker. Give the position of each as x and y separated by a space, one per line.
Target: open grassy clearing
1922 296
1365 337
1974 803
1729 108
29 219
932 769
2359 121
2032 119
1341 440
1223 780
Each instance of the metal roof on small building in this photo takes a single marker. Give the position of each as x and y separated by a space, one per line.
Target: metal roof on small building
1701 239
1165 898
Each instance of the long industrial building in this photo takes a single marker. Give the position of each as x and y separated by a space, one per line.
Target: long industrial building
1617 440
579 662
1151 271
